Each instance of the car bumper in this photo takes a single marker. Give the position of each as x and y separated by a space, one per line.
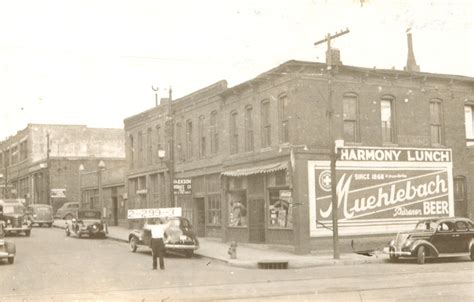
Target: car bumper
6 255
397 253
20 229
180 247
42 221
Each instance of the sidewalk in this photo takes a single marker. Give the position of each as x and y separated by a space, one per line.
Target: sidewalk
250 255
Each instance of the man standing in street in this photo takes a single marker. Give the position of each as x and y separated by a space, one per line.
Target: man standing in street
157 242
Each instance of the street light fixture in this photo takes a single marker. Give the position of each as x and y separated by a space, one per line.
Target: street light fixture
101 167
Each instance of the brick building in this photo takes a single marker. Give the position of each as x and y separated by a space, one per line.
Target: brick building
258 154
30 171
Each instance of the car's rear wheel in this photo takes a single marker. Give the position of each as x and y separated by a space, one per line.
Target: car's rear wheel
11 260
27 233
421 255
472 252
133 244
50 225
79 235
392 257
68 233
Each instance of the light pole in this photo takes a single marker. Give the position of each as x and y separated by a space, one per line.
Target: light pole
81 168
101 167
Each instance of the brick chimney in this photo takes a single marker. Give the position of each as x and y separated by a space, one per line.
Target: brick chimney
411 62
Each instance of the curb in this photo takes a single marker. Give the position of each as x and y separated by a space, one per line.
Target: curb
292 264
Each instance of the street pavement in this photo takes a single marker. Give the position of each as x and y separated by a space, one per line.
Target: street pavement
53 267
250 255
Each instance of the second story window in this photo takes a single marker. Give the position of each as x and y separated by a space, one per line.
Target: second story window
350 114
284 117
436 122
131 150
159 145
202 137
266 126
6 158
14 154
23 150
189 139
149 147
249 145
387 119
1 160
469 121
214 133
179 142
140 148
234 133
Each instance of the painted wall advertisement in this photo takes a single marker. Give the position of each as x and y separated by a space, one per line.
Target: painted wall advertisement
380 190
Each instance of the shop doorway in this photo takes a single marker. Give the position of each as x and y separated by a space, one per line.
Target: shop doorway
460 199
114 210
256 220
200 217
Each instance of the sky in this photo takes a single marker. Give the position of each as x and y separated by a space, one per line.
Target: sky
94 62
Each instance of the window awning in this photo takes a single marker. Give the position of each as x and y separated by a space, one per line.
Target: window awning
257 170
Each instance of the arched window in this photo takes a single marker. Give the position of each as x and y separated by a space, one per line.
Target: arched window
249 143
131 150
202 137
388 119
189 139
350 115
214 133
234 133
436 122
266 126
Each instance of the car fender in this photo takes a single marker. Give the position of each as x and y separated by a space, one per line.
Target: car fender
471 244
433 250
135 233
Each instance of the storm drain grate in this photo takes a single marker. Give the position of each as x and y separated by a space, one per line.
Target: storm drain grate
273 264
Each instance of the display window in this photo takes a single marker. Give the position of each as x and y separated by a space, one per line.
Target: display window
237 209
280 209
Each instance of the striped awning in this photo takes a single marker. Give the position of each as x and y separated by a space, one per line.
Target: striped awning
257 170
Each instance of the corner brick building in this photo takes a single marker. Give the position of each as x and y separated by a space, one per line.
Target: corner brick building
258 154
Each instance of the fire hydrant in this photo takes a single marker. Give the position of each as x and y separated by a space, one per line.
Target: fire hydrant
233 250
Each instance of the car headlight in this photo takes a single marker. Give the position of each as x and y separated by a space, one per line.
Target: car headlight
9 221
34 215
392 242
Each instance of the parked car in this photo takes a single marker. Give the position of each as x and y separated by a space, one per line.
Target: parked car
433 238
87 222
179 237
13 214
7 248
40 214
67 211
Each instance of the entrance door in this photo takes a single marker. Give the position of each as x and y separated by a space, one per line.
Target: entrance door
114 210
200 217
460 203
256 220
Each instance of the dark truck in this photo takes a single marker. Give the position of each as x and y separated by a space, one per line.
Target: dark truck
15 217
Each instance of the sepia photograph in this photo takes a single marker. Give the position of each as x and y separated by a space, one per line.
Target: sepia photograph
273 150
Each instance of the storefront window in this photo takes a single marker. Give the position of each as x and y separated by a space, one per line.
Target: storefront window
237 208
214 210
280 210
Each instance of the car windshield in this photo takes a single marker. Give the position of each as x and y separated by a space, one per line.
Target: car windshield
426 226
13 209
88 215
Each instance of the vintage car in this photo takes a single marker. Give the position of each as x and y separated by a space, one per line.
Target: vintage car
67 211
7 249
87 222
433 238
14 216
40 214
179 236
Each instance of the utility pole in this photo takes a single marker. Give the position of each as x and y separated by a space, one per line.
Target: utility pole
156 95
48 169
333 154
171 147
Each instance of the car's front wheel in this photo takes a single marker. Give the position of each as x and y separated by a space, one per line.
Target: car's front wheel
27 233
11 260
189 253
133 244
68 233
421 254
